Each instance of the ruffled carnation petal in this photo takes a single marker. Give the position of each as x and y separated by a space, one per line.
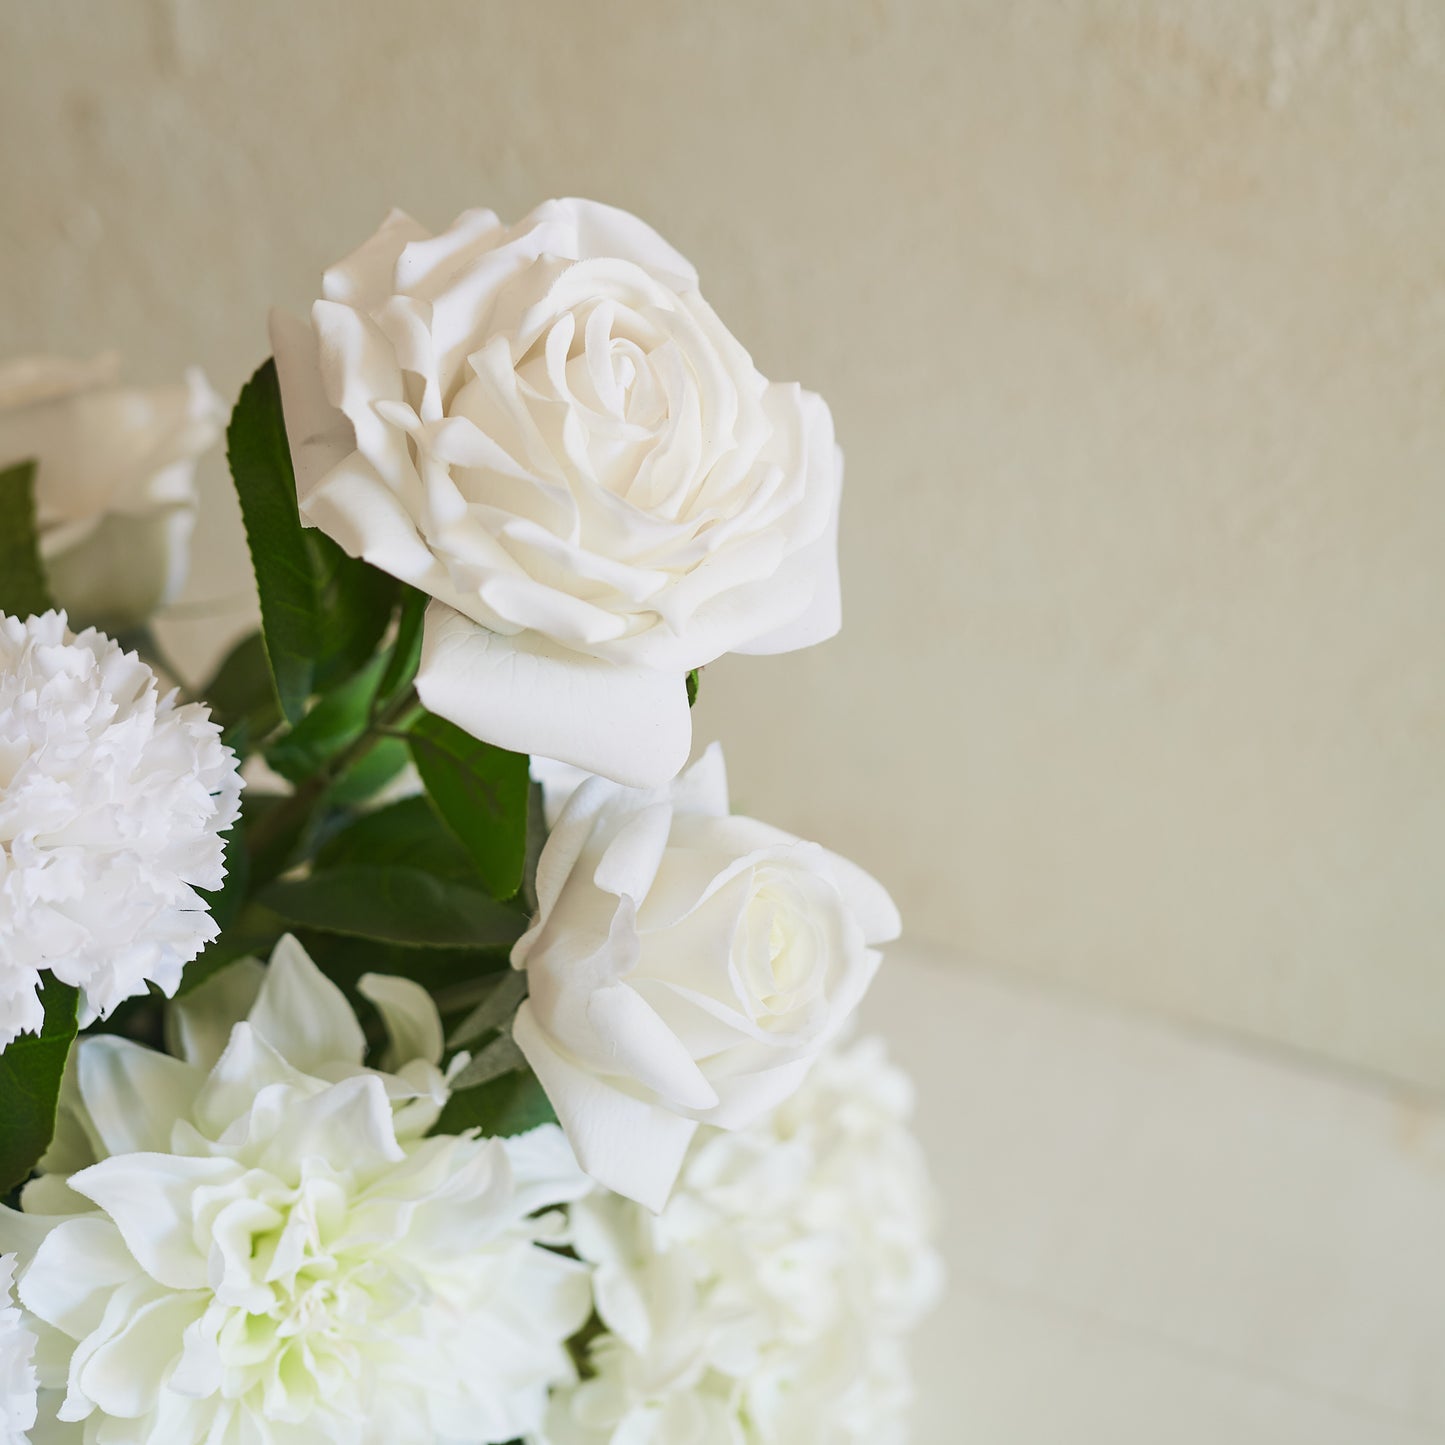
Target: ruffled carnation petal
113 805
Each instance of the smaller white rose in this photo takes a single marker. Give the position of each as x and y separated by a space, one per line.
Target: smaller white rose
685 966
115 485
18 1384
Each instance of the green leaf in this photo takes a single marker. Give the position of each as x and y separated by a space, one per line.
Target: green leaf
481 792
241 693
260 459
24 591
406 649
407 833
501 1056
394 904
30 1073
494 1012
275 825
369 774
509 1105
694 680
354 602
442 972
337 720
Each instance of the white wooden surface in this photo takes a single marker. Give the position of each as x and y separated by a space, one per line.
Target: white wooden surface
1158 1236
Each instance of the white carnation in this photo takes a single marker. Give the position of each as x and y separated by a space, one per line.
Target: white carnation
272 1252
113 801
768 1303
17 1372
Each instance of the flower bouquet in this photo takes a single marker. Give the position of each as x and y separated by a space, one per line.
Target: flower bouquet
475 1074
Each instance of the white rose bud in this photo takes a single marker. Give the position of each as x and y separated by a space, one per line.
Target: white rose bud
115 485
545 427
685 966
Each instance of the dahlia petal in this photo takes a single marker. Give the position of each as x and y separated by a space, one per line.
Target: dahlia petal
133 1095
303 1015
412 1023
149 1198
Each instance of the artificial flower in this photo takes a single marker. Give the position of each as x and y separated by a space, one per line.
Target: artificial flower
684 966
268 1249
115 480
768 1304
113 802
546 427
18 1384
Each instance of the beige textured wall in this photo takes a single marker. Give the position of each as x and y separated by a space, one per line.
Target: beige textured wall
1131 316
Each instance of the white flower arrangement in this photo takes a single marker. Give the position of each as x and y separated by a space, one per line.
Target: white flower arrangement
484 1083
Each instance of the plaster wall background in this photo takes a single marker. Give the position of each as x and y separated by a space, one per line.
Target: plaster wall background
1132 317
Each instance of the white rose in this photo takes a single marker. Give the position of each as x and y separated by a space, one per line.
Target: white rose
685 965
546 428
114 483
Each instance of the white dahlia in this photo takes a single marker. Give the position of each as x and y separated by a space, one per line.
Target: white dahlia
768 1303
113 801
17 1372
271 1252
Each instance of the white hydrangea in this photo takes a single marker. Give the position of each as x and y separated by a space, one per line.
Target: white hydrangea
113 800
272 1252
17 1371
768 1303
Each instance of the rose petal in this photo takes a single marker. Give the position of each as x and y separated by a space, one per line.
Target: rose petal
320 436
531 696
626 1144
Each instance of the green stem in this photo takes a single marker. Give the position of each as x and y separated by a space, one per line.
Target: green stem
291 815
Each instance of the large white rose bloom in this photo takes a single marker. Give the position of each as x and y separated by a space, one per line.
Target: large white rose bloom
271 1252
113 801
546 428
768 1303
115 487
684 966
17 1369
